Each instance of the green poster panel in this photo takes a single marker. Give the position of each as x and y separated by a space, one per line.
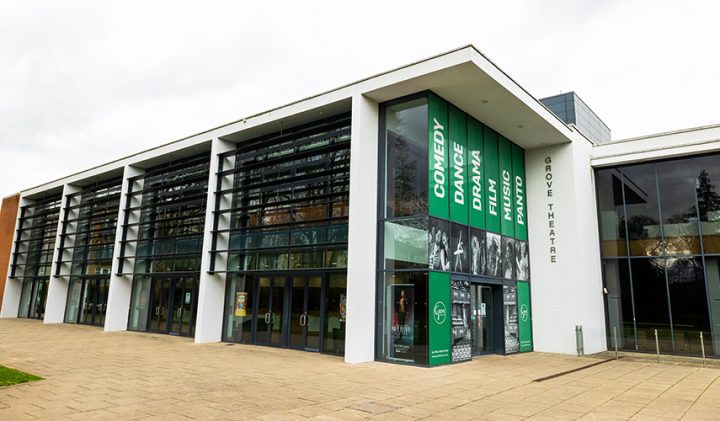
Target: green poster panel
438 194
507 221
520 213
439 318
458 166
492 188
524 317
476 181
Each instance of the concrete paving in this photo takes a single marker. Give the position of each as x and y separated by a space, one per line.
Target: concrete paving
90 374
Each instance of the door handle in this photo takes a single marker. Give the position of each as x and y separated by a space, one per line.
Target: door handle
267 318
179 312
157 310
302 319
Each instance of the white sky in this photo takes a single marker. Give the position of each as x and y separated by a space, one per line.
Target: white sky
86 82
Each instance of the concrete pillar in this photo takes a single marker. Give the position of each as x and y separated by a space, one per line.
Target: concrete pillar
211 297
565 272
13 286
59 272
118 305
362 235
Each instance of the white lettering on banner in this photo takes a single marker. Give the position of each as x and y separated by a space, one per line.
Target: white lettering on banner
459 162
551 212
492 197
476 181
439 156
507 192
519 200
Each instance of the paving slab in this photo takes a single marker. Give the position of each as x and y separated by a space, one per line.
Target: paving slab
91 374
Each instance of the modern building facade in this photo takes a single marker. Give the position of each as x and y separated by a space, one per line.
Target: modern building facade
422 216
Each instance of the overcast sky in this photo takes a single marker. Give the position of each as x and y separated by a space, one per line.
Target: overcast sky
86 82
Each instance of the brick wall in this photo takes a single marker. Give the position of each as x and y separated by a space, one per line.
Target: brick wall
8 217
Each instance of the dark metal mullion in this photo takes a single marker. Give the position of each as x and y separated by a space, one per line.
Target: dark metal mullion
702 251
61 247
664 255
216 217
627 258
18 239
126 218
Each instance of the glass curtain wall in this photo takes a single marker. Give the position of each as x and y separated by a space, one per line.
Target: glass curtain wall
34 247
87 242
451 215
659 227
287 237
162 247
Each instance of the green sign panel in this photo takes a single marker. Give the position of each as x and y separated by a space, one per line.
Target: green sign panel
518 165
524 317
492 187
476 180
439 320
438 177
458 167
507 221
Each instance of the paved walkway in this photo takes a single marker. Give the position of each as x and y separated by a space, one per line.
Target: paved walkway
95 375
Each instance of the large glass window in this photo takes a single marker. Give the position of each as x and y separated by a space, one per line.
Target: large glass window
673 281
406 152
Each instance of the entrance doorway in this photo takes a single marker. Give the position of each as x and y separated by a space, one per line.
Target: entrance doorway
482 321
87 301
33 298
173 306
305 312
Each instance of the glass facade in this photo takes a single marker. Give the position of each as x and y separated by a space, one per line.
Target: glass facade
87 242
659 226
162 244
34 248
452 217
286 231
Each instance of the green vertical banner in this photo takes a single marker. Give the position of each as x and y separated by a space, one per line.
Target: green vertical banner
458 166
520 214
438 193
439 319
476 181
524 317
492 187
507 220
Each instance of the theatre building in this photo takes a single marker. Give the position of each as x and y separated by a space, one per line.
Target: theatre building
426 215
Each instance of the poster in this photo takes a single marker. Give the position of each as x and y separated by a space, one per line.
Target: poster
461 348
510 310
459 248
403 322
439 245
458 166
524 317
438 155
508 258
522 261
493 252
477 252
240 304
439 318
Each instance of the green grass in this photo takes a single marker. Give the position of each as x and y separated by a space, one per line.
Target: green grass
9 377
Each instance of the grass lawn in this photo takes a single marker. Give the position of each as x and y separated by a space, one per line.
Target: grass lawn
9 377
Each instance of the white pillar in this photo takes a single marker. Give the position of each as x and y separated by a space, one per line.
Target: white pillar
13 286
211 297
565 272
58 288
362 236
118 305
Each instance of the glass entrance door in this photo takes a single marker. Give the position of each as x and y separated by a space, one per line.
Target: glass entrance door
174 306
33 298
182 318
270 310
481 317
305 313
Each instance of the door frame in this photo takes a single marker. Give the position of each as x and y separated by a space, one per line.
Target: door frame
174 280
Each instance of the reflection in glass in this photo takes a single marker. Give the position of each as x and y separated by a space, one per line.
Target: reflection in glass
712 271
619 303
406 244
689 304
707 176
643 214
677 203
406 158
611 213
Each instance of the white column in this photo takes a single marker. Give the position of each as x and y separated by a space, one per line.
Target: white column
13 286
58 288
565 271
362 241
211 297
118 305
